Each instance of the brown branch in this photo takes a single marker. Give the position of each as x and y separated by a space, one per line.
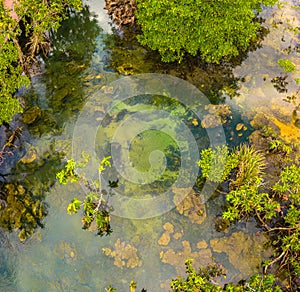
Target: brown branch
282 228
221 192
274 261
9 143
261 221
270 229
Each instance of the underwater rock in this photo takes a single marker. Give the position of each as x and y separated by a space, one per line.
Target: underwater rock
63 146
66 251
217 115
296 116
221 224
177 235
165 238
239 246
29 157
21 211
31 115
10 189
191 207
126 69
21 190
107 89
211 121
279 117
168 227
222 110
124 255
177 259
269 128
202 244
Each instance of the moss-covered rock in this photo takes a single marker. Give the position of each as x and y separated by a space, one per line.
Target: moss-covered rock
31 115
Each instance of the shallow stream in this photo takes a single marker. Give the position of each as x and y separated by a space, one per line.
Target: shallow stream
76 90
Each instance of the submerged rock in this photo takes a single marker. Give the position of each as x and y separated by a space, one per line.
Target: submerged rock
125 255
217 115
178 258
32 115
221 224
122 12
66 251
296 116
241 246
165 238
29 157
191 206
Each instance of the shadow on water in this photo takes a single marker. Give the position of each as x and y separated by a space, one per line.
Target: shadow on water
59 90
29 166
128 57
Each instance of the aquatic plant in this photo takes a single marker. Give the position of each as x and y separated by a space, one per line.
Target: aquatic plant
287 65
21 210
276 208
217 164
202 280
94 205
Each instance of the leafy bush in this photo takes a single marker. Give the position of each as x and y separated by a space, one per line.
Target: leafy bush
202 280
216 29
277 209
217 164
94 205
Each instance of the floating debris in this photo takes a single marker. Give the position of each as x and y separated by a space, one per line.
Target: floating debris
195 122
239 126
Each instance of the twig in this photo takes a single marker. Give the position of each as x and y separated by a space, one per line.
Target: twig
262 222
274 261
281 228
221 192
9 143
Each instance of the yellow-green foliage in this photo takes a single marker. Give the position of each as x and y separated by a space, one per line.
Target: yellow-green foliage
94 205
215 29
201 281
276 208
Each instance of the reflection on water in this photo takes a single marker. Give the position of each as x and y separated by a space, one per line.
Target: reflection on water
62 256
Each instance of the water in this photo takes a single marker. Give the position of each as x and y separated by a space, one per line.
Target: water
63 257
